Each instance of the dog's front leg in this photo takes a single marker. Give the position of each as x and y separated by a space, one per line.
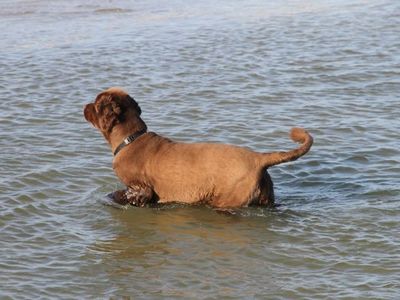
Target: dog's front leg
139 195
135 195
119 197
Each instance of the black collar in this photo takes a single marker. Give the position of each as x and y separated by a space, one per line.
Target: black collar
128 140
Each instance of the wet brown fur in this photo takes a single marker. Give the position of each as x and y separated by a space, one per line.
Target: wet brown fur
157 169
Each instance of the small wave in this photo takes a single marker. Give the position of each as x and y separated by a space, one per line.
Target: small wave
114 10
108 201
384 192
357 158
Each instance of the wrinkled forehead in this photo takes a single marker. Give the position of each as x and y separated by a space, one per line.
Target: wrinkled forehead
118 97
117 90
112 95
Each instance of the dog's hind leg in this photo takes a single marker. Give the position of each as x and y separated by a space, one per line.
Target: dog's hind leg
267 196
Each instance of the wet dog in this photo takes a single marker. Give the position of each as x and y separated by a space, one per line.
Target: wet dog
156 169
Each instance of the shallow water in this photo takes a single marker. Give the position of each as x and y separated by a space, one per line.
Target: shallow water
240 72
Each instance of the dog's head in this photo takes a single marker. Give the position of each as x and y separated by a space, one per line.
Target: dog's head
111 108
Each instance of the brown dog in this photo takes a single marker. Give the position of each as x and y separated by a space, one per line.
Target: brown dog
157 169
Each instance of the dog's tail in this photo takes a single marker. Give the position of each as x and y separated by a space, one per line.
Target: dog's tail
298 135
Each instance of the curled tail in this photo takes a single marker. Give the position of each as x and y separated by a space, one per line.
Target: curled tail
298 135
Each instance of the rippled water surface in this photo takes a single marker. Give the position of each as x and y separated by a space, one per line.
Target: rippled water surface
239 72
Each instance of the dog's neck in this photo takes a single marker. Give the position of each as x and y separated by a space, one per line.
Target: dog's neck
121 131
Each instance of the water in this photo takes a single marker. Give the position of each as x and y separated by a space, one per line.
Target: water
240 72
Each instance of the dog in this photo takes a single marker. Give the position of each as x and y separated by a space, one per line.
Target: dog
156 169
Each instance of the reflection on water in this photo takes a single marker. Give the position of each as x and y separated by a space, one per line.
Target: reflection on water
186 241
194 224
238 72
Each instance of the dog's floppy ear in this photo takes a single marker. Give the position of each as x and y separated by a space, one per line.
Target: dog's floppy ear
135 105
90 114
111 113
